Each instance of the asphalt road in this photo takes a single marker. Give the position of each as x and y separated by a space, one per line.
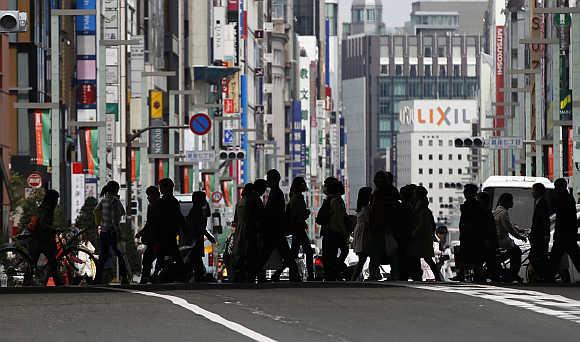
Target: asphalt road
393 312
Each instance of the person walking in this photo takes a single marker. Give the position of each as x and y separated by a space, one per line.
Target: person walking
384 209
404 228
263 246
275 228
147 235
540 233
244 255
109 212
296 214
361 234
43 235
168 223
331 217
504 229
566 229
421 244
489 236
470 234
194 233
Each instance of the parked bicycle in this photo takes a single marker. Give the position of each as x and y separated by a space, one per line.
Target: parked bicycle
76 263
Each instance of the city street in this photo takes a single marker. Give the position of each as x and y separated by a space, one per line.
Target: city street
315 312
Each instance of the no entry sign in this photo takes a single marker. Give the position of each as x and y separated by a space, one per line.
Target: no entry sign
200 124
216 197
34 180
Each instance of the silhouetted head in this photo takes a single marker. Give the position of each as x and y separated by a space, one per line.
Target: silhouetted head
198 198
470 191
506 200
441 232
298 186
273 178
408 193
382 180
561 185
538 190
112 188
166 186
152 194
50 199
421 193
260 185
364 197
331 186
249 189
484 199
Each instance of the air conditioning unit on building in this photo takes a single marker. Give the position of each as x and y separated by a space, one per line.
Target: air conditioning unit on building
13 21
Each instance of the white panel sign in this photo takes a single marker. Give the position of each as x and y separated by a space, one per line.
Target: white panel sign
87 115
199 156
505 143
112 94
112 56
77 194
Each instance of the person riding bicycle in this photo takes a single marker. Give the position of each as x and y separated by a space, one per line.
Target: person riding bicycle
504 229
43 235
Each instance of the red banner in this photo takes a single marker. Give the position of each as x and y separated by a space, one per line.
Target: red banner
499 86
551 163
186 180
133 165
38 132
570 151
328 98
233 5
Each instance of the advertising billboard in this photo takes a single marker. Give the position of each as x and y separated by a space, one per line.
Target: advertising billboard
438 115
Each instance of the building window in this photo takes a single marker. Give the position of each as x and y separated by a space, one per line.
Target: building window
440 142
440 185
371 14
459 171
420 157
427 52
440 171
471 70
430 157
440 199
384 142
443 71
450 143
430 171
459 157
413 70
384 69
430 185
450 199
420 171
430 199
456 70
358 15
430 142
427 70
398 70
440 157
450 171
384 125
420 142
450 157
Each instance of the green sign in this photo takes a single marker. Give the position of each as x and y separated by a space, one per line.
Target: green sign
562 20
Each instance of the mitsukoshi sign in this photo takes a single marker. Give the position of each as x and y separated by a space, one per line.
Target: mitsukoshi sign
438 115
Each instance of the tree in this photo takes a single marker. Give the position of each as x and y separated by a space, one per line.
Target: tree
86 220
29 207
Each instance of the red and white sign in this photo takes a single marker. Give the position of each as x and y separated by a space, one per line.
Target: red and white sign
229 106
328 98
216 196
34 180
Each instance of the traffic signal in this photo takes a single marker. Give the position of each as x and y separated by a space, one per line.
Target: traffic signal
232 155
13 21
470 142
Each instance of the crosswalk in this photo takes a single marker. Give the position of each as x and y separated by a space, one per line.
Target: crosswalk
543 303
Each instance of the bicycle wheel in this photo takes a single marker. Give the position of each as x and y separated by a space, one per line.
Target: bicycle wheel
15 268
81 265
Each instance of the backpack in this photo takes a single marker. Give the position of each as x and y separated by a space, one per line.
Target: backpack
323 216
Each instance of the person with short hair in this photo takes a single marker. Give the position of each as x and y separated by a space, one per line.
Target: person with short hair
470 234
146 235
504 229
194 233
297 213
361 234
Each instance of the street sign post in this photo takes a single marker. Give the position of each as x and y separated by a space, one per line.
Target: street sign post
199 156
200 124
504 143
216 197
34 180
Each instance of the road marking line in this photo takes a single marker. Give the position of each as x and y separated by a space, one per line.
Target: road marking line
543 303
238 328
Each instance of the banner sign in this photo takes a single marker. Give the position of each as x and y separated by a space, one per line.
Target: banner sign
43 136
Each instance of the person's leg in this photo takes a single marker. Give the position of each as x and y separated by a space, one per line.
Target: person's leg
287 260
362 259
123 270
434 268
309 253
147 264
491 264
49 250
555 258
104 248
329 256
515 262
574 252
198 268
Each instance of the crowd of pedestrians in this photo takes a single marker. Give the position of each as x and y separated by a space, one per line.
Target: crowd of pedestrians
390 227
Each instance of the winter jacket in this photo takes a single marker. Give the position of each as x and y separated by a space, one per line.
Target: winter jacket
361 236
505 228
421 244
296 214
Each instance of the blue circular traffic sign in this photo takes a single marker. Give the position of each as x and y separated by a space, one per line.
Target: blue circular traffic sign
200 124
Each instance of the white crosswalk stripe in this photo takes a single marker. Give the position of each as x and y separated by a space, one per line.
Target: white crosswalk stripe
543 303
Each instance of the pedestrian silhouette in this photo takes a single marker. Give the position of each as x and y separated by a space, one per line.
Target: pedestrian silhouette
488 236
194 233
109 212
244 250
540 233
362 237
566 230
296 215
147 235
471 226
504 229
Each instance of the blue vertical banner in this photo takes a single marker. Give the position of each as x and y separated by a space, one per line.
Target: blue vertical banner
297 142
244 117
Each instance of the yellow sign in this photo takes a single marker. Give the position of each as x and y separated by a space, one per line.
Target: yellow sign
565 102
234 92
156 104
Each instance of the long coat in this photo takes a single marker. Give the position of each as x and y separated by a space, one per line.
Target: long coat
421 244
361 237
384 210
471 231
196 228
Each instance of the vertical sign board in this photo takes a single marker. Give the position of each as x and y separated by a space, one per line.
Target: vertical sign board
342 146
137 66
296 144
77 189
536 55
499 84
244 122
